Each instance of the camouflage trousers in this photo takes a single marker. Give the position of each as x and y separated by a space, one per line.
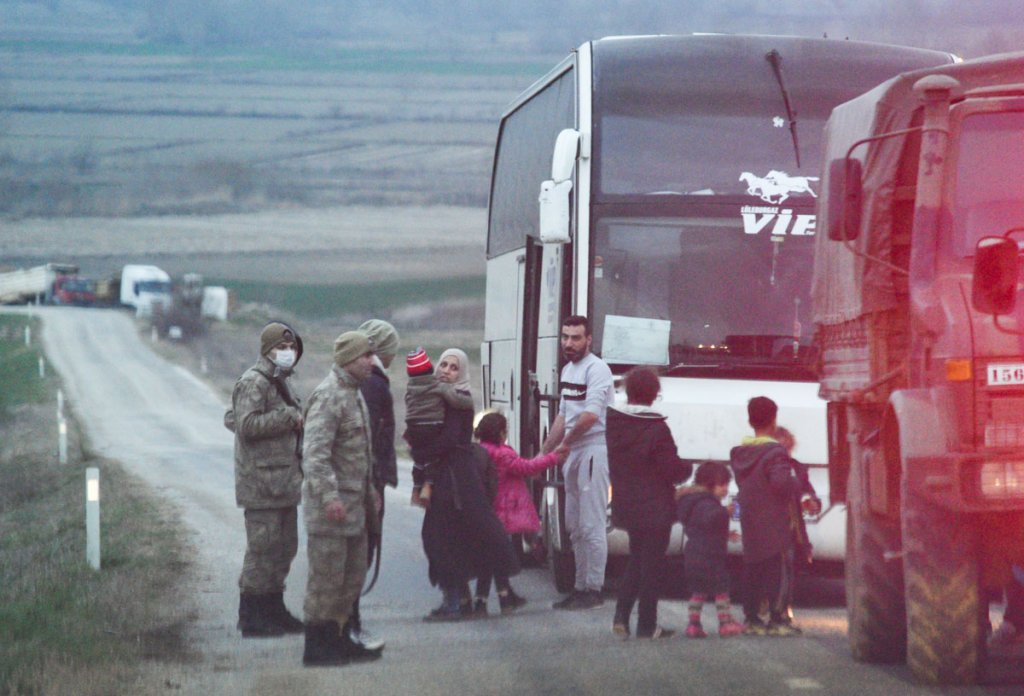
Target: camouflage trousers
272 539
337 569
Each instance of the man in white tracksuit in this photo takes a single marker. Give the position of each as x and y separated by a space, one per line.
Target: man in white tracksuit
586 392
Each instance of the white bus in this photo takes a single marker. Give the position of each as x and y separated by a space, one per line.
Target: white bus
676 178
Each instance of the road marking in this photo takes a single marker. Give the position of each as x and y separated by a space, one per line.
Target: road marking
803 684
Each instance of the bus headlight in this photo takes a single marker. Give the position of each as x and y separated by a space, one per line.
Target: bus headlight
1002 479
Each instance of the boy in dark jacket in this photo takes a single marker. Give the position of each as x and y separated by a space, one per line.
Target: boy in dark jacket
767 488
706 522
644 468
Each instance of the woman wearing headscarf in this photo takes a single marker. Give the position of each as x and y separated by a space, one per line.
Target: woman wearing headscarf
462 536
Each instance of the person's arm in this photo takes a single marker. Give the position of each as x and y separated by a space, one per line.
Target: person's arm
456 398
555 435
780 475
507 460
665 458
321 430
251 417
599 389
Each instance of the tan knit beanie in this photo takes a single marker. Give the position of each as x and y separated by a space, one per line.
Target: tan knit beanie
351 345
383 335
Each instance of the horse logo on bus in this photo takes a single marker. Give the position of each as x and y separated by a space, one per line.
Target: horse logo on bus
777 186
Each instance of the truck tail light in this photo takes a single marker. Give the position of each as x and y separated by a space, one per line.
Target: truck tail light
1002 479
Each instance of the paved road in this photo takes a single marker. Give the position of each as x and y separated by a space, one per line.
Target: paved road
164 424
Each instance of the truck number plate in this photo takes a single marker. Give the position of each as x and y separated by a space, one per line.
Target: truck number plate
1006 373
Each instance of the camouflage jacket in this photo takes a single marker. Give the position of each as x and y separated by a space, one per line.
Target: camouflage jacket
268 457
338 457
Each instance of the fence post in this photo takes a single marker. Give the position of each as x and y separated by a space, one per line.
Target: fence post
62 440
92 517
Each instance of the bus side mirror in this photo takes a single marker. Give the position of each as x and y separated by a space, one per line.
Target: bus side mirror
563 160
996 270
554 212
845 194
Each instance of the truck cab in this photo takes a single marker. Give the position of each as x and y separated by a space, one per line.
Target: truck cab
919 326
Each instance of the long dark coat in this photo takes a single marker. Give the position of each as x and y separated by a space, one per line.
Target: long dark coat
462 536
768 487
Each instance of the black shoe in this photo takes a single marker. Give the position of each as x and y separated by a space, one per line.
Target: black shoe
567 601
590 599
479 610
323 646
510 601
279 614
255 617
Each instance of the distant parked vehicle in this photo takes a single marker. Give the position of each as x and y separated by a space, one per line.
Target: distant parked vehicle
34 284
144 287
73 290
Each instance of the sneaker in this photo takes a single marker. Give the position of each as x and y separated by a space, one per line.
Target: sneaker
510 601
1005 636
695 630
621 630
589 599
755 628
366 639
729 629
781 629
658 634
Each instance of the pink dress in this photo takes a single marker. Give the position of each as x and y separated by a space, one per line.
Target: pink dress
513 503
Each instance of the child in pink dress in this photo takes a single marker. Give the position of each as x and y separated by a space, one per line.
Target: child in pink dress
513 503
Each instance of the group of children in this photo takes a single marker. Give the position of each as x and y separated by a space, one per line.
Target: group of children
774 489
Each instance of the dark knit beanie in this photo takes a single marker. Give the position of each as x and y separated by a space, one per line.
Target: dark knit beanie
272 334
418 363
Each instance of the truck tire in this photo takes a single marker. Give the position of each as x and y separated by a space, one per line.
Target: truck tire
874 588
945 643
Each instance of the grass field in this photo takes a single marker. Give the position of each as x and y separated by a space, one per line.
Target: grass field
64 628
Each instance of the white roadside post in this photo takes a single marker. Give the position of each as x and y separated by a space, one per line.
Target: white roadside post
60 404
62 440
92 517
42 367
28 335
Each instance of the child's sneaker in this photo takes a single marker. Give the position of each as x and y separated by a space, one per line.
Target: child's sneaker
695 630
730 628
781 629
621 630
755 627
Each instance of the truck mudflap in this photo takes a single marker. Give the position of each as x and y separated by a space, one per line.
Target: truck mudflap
969 482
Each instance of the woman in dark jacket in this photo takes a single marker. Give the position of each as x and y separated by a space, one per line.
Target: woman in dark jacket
462 537
644 470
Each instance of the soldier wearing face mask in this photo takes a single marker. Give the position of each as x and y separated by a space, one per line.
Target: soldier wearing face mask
266 417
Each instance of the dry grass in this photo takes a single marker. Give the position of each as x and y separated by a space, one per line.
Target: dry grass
64 628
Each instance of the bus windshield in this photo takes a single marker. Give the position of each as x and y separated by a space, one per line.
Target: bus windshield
702 293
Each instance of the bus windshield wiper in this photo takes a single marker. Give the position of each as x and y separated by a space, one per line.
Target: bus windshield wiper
775 58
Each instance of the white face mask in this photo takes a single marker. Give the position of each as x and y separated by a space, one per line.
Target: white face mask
284 359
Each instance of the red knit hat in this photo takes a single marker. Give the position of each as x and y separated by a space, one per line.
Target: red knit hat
418 363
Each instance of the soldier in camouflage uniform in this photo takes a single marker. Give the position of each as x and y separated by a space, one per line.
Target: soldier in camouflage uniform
267 421
339 503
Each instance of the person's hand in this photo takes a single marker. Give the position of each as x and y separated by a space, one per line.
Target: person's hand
335 511
561 454
378 502
734 536
811 505
418 500
731 508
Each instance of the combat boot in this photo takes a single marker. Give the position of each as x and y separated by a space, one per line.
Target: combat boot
354 651
254 620
323 645
280 615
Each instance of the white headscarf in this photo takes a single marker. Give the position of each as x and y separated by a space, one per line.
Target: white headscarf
463 382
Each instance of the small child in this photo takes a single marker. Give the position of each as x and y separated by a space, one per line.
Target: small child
806 498
706 522
513 503
425 400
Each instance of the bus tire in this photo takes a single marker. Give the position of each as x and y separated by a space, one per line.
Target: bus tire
945 641
874 586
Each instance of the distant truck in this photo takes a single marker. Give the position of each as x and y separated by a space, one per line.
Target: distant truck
144 287
74 290
33 284
919 323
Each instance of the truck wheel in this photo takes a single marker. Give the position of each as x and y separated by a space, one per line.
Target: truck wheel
944 637
874 589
